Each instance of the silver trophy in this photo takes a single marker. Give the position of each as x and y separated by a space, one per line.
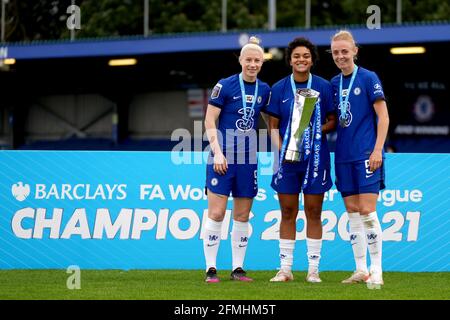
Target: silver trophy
305 101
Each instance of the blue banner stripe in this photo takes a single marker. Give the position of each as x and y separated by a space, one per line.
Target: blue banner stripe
161 205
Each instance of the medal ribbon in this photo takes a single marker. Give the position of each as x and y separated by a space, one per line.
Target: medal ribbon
244 98
343 101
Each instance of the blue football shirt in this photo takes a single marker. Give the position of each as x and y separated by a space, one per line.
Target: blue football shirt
356 140
236 125
282 99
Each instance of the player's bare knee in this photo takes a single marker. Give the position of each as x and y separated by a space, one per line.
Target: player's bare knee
364 209
216 215
352 208
241 216
313 213
289 213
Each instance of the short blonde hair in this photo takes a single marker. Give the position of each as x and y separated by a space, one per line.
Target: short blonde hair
253 43
343 35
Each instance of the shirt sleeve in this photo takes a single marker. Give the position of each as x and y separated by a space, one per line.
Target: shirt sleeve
273 107
374 89
267 97
218 95
335 97
328 99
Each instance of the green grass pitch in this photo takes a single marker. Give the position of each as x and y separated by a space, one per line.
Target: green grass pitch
190 285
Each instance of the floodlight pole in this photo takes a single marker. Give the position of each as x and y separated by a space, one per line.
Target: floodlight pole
308 14
399 11
72 31
272 14
146 17
4 2
224 16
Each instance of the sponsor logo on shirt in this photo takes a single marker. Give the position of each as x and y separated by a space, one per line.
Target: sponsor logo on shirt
378 89
246 122
348 116
216 91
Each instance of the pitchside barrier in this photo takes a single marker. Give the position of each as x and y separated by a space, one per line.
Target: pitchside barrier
145 210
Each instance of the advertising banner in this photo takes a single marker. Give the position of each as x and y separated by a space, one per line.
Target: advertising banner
145 210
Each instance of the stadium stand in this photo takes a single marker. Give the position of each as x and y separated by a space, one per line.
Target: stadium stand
63 95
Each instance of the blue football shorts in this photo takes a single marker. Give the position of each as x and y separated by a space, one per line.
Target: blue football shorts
241 180
291 177
356 178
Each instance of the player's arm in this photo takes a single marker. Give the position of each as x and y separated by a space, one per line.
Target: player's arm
265 118
331 123
330 111
274 132
264 113
212 114
376 157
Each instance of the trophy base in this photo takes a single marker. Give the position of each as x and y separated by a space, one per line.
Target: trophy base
293 156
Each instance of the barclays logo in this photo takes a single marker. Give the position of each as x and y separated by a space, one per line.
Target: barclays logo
20 191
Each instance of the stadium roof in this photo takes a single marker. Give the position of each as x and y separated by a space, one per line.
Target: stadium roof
388 34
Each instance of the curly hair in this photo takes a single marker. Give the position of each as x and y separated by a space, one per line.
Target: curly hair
301 42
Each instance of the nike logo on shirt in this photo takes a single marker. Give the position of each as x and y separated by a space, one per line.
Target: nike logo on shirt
235 98
285 100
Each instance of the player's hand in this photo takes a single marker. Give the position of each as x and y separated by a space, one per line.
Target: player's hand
375 160
220 163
